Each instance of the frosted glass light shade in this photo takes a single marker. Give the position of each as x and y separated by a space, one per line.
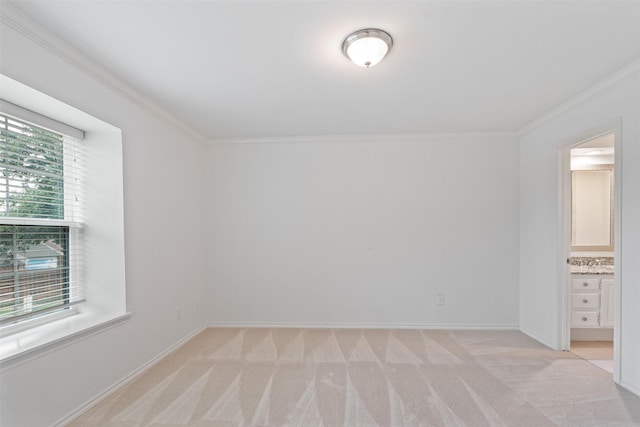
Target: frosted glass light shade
367 47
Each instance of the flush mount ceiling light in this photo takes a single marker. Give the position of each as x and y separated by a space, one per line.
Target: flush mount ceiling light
367 47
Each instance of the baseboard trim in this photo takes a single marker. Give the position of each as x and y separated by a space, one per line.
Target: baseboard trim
487 327
538 338
126 380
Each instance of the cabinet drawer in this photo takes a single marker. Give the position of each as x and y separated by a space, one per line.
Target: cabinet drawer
585 301
585 283
584 318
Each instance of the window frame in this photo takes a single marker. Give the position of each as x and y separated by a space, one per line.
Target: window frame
65 151
102 231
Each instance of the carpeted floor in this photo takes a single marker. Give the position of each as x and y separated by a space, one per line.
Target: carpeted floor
348 377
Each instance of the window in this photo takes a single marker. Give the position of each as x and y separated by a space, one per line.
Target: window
62 219
40 245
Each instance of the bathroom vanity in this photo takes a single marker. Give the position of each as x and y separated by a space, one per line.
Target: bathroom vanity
592 292
592 301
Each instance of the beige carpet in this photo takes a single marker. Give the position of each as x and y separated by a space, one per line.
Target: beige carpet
343 377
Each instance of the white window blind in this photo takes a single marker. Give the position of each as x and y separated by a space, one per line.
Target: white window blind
40 217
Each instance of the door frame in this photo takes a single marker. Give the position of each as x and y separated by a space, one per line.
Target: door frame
564 237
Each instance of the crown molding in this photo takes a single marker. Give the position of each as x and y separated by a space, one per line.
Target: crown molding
581 97
362 138
13 17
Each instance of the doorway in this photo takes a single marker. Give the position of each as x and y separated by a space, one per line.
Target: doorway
589 215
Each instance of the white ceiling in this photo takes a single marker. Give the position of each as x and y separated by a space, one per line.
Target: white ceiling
240 69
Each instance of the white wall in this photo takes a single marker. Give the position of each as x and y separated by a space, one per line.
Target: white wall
344 232
540 255
326 232
163 182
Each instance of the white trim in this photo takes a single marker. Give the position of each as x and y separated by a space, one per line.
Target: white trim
124 381
581 97
18 20
475 327
91 326
617 253
360 138
563 327
47 317
563 323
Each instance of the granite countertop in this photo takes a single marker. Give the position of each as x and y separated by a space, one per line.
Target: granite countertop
591 265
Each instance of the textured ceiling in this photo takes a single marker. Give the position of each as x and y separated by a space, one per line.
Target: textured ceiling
240 69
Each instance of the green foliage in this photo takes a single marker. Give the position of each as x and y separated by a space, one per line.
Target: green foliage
31 184
31 187
31 171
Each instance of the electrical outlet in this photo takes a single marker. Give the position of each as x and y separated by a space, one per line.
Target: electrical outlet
440 300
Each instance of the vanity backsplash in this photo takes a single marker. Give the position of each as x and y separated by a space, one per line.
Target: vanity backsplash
591 265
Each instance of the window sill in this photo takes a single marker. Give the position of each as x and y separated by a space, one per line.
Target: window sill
22 346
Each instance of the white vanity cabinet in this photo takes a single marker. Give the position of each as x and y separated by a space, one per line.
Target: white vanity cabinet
607 303
592 301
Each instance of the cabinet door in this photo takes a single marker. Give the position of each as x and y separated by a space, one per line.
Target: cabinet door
607 303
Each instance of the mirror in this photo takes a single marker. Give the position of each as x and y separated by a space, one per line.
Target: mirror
592 209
